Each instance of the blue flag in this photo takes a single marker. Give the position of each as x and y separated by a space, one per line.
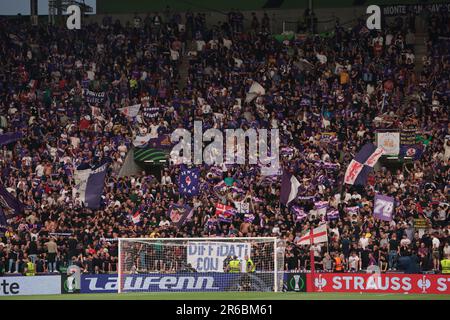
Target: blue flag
189 181
412 151
10 137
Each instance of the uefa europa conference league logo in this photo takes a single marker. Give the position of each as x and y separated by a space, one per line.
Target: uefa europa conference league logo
213 153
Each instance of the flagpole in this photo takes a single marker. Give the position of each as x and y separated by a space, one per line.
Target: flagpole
311 257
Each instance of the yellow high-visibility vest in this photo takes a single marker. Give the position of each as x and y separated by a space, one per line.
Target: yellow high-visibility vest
445 265
234 266
250 265
31 271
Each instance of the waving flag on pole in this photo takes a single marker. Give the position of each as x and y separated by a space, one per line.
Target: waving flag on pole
9 207
363 163
289 188
179 214
189 179
300 214
316 235
225 213
89 183
136 217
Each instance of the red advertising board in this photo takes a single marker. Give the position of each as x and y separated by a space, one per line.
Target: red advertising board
379 283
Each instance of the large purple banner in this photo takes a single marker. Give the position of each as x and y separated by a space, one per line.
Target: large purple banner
383 207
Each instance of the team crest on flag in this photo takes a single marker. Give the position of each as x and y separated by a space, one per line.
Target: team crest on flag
363 163
189 179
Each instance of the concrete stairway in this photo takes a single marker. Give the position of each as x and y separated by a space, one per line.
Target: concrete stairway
420 50
184 66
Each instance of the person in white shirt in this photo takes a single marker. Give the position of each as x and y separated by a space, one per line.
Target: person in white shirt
164 222
166 179
435 245
353 262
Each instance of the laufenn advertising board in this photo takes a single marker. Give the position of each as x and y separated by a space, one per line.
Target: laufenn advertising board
177 282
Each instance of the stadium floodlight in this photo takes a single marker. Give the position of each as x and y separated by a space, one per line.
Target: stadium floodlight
200 264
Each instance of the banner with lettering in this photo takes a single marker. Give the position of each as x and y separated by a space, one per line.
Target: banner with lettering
383 207
94 97
209 256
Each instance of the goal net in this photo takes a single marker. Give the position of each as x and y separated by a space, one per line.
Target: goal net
200 264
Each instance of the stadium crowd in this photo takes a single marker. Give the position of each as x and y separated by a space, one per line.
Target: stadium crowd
348 84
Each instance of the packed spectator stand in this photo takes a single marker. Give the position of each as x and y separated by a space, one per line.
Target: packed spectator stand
350 83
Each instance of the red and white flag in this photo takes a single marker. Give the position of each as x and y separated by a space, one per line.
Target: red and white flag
317 235
136 217
225 213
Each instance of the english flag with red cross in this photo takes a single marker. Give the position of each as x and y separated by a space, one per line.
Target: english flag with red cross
317 235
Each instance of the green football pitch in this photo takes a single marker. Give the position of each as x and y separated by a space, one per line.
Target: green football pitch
233 296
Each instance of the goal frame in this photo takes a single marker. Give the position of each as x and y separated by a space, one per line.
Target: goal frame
274 239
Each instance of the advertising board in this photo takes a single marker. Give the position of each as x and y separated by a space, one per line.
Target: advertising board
381 283
36 285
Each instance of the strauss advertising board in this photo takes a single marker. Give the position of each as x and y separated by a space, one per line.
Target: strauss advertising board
380 283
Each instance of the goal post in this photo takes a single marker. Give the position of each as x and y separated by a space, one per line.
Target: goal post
200 264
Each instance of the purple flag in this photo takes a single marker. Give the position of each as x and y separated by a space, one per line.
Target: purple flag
10 137
383 207
9 207
189 181
299 213
179 214
89 183
289 188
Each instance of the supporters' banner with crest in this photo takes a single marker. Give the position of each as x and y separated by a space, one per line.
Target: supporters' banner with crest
383 207
89 184
242 207
131 111
412 151
390 142
10 207
179 214
10 137
189 181
94 97
363 163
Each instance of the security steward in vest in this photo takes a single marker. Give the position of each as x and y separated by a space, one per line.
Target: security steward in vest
249 264
338 265
30 269
445 264
235 265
